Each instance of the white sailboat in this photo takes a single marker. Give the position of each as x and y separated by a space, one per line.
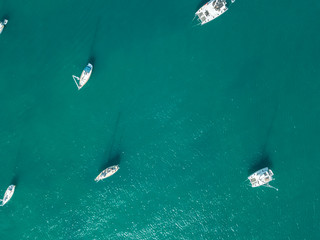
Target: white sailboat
262 177
7 195
85 76
2 24
108 172
211 10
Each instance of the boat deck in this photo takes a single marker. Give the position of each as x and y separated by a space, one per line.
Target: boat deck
211 10
261 177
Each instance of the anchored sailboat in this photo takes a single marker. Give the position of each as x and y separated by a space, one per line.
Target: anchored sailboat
262 177
85 76
211 10
108 172
7 195
2 24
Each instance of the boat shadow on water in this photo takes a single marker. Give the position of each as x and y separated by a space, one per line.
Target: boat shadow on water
201 3
15 180
5 16
112 156
17 173
114 159
92 60
261 161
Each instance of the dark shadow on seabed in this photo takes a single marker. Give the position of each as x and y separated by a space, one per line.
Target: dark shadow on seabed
114 159
110 156
5 16
15 179
5 13
16 172
26 115
92 58
263 159
203 2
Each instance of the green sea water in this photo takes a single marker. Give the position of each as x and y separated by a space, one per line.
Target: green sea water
187 111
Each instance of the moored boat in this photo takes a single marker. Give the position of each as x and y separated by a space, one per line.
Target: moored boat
108 172
2 25
211 10
261 177
7 195
85 76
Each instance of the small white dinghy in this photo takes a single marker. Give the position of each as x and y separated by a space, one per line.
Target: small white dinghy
108 172
85 76
262 177
2 24
7 195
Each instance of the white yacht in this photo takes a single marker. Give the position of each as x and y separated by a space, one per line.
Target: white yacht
261 177
7 195
85 76
107 172
2 24
211 10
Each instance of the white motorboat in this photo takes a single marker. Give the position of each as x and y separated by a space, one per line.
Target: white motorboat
85 76
211 10
108 172
7 195
2 24
261 177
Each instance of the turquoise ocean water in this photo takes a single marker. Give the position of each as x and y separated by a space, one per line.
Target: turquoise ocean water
188 113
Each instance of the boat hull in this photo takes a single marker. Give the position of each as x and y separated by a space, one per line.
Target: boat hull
85 76
261 177
108 172
2 25
211 10
8 194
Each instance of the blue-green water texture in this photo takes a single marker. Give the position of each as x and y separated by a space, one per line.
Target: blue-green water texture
188 112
